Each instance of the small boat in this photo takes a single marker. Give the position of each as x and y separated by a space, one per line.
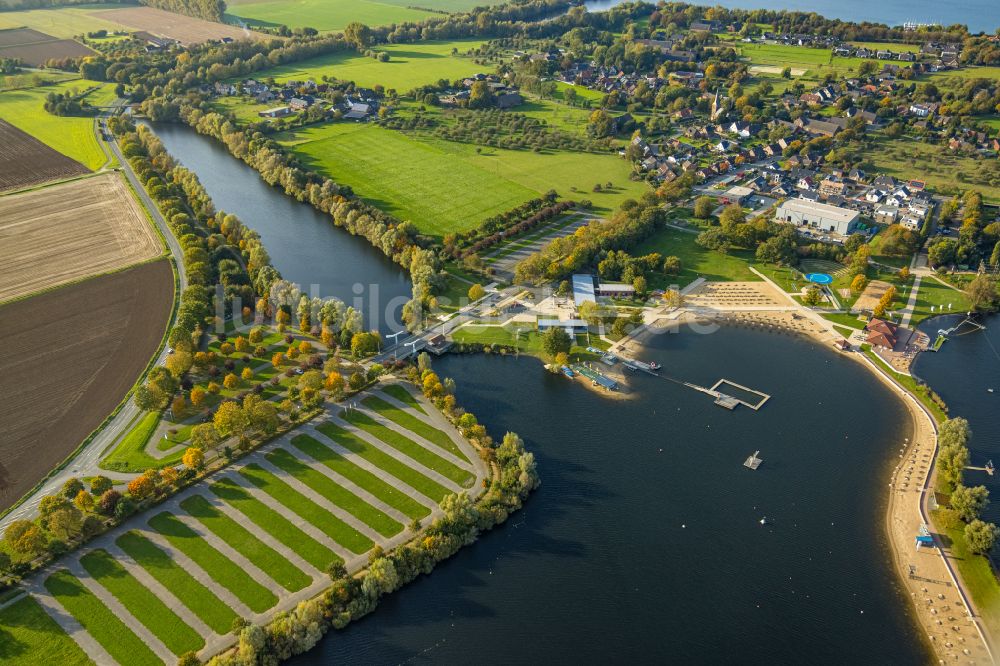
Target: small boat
566 371
754 461
990 390
763 521
653 365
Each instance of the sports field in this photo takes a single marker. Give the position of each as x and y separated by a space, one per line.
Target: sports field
442 186
323 15
71 136
409 65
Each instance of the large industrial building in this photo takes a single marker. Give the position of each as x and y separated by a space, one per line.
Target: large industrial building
815 215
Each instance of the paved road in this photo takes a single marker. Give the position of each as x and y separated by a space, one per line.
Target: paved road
85 463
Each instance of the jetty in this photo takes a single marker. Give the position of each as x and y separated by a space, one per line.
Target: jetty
730 402
754 461
943 333
596 377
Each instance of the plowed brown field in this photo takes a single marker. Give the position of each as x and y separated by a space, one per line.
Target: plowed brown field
69 231
26 161
67 358
34 47
184 29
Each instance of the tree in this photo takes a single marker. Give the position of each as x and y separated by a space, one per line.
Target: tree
556 340
84 501
65 522
24 537
952 460
480 96
72 488
263 415
640 286
365 344
193 458
981 536
703 207
970 503
904 273
731 216
812 297
231 381
600 124
247 374
358 34
198 395
476 292
334 383
109 502
231 420
100 485
177 405
672 265
242 345
204 436
943 252
858 284
141 487
983 292
179 362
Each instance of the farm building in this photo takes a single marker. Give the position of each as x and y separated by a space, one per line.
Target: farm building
736 195
276 112
804 213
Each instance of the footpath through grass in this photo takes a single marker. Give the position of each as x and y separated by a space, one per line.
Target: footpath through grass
408 447
338 495
129 455
103 625
29 636
414 425
385 462
323 520
361 477
275 524
198 598
400 393
145 606
244 542
256 597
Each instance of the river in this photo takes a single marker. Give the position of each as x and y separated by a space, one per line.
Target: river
644 541
978 15
304 244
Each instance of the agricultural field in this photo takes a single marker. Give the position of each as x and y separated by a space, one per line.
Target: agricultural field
259 533
409 65
443 186
70 135
323 15
35 48
67 358
63 22
25 161
184 29
69 231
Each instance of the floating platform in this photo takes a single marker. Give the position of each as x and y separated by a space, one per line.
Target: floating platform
596 377
727 401
718 389
753 462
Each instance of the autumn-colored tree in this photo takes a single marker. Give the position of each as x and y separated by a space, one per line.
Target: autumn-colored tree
277 359
311 379
64 523
305 347
226 348
334 383
476 292
260 351
256 335
562 358
242 345
283 316
859 283
100 485
214 388
310 397
247 374
193 458
263 415
904 273
198 395
179 362
72 487
24 537
109 502
292 353
231 381
178 405
84 501
203 359
204 436
879 310
141 487
169 476
230 420
327 338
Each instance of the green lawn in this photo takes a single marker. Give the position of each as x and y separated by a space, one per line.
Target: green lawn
129 455
71 136
256 597
105 627
323 520
443 186
29 636
409 448
409 65
414 425
244 542
696 261
336 494
275 524
847 320
145 606
400 393
940 296
202 602
364 480
324 15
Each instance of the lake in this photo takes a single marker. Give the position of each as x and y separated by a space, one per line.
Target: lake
978 15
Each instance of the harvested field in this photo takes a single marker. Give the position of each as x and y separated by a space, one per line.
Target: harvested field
25 161
62 233
34 47
184 29
67 358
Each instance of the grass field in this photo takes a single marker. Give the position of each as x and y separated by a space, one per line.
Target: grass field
409 448
130 453
443 186
257 597
313 513
941 169
696 261
71 136
404 396
275 524
324 15
338 495
409 65
142 603
939 296
172 576
29 636
385 462
65 22
414 425
239 537
123 645
366 481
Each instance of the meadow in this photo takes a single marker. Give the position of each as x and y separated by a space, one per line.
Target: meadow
696 261
71 136
323 15
409 65
65 22
444 186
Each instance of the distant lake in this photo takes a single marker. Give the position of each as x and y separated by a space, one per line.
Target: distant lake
979 15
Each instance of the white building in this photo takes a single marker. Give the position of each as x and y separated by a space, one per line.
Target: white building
583 289
815 215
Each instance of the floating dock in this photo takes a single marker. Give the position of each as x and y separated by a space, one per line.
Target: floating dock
596 377
753 462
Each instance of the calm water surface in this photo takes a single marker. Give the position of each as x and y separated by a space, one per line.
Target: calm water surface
978 15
